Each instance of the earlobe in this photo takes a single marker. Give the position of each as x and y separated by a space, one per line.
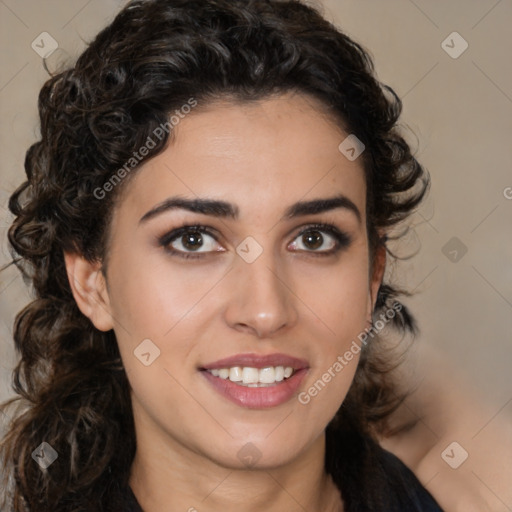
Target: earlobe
89 289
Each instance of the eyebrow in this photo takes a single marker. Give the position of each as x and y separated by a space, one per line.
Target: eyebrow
204 206
223 209
322 205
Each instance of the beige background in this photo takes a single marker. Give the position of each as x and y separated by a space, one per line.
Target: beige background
460 110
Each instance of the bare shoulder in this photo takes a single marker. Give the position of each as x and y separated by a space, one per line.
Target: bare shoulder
455 440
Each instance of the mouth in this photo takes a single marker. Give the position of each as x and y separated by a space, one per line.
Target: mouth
256 381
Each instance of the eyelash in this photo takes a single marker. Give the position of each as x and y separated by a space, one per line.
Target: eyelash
165 241
342 239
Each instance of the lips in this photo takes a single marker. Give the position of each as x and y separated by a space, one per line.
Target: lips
256 381
258 361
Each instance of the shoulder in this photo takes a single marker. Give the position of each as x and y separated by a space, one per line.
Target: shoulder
372 479
132 505
408 491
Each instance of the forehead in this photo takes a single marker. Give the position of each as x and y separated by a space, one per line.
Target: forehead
261 156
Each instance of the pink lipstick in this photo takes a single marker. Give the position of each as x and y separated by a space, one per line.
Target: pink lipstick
256 381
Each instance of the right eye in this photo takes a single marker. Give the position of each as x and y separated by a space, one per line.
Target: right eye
190 241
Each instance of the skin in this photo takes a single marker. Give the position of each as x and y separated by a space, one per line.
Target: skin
446 407
261 157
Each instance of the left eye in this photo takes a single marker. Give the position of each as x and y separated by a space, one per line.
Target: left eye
314 240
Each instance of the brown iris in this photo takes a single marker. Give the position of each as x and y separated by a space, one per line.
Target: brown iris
313 239
192 241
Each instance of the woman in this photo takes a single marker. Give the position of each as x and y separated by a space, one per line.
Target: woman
205 223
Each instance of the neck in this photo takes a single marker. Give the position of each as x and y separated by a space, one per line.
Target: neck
168 476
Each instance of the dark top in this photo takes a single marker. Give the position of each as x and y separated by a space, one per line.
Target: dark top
401 492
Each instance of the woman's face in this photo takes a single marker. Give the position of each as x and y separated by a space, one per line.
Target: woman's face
273 273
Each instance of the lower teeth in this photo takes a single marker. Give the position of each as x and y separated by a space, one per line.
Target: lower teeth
257 384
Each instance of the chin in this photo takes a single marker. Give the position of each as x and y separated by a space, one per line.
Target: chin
259 452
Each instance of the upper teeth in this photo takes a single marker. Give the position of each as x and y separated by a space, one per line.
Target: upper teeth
254 376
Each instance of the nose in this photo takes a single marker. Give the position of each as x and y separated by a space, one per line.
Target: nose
261 301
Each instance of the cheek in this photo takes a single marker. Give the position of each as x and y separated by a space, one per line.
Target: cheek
171 308
342 304
154 311
150 299
339 302
338 297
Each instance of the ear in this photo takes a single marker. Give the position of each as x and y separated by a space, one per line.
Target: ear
89 290
379 266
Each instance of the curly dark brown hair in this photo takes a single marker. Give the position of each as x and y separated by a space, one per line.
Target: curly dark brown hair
72 389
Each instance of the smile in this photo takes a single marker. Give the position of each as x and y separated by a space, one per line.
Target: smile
256 381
